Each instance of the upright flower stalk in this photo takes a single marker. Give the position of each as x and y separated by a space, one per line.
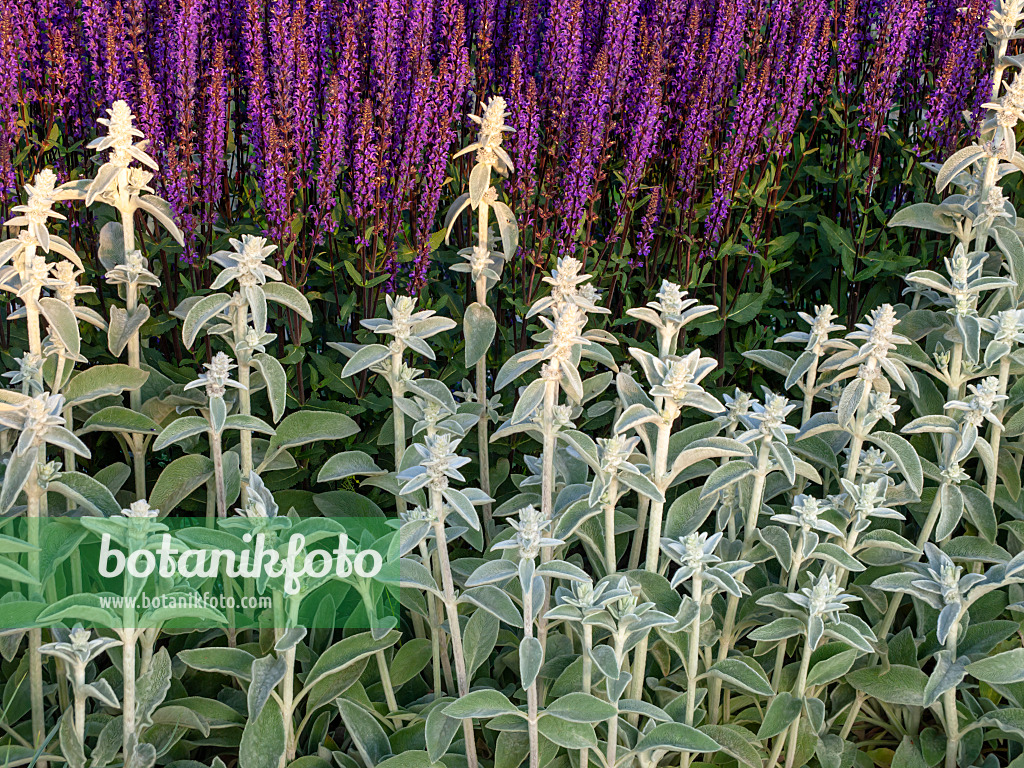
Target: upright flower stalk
484 264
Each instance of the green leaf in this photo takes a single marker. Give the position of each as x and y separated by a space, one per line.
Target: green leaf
922 216
724 476
581 708
781 713
276 380
841 243
348 651
304 427
735 741
1001 669
531 656
290 297
103 381
906 458
63 324
900 684
439 732
832 668
179 478
365 357
365 731
347 464
1009 720
228 661
181 429
115 418
410 759
741 676
263 739
483 703
677 737
478 327
200 313
568 734
86 493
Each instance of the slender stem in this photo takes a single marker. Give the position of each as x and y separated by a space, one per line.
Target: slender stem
658 505
812 374
610 557
749 529
693 650
398 419
798 693
997 431
35 636
531 689
288 698
451 608
79 720
435 632
588 672
217 455
950 716
244 399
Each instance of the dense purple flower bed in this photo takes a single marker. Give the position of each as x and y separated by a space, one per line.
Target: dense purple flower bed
653 131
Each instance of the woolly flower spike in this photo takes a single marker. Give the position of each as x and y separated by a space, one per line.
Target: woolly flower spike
66 274
868 501
939 583
245 263
737 405
42 194
677 379
407 326
817 339
614 452
489 152
565 280
80 647
584 599
217 377
823 601
40 420
530 535
134 271
682 377
1007 329
120 138
566 333
669 314
693 552
806 510
978 408
28 373
878 333
140 510
874 465
261 504
696 555
769 420
438 464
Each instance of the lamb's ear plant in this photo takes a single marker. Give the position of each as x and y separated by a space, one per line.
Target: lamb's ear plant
484 264
240 318
409 330
122 182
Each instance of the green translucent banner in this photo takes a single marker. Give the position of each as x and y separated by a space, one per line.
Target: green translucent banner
184 574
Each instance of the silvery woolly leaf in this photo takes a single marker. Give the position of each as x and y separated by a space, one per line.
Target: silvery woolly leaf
948 673
531 656
491 572
1002 669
